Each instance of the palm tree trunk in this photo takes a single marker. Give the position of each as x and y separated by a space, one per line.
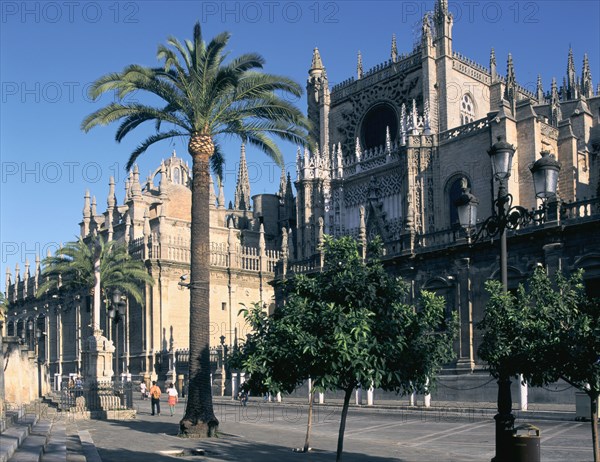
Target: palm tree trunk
199 420
340 445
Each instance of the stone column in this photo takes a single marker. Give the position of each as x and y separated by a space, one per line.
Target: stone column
100 352
464 296
99 348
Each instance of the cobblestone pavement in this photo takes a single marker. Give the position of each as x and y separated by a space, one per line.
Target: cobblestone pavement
269 431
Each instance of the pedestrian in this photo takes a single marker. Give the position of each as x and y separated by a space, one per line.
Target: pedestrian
173 398
243 397
78 386
143 390
155 397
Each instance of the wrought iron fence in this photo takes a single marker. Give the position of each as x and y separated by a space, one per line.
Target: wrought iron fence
102 396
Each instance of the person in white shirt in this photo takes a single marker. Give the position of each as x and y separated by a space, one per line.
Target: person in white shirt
173 398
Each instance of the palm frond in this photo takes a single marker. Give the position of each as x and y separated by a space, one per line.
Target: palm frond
217 162
149 142
201 92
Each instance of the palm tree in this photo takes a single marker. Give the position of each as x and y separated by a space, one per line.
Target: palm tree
204 99
96 267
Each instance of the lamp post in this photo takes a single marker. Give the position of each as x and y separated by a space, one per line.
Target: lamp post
31 334
115 315
223 359
507 216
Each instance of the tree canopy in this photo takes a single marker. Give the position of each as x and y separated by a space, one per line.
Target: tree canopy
72 268
548 330
347 326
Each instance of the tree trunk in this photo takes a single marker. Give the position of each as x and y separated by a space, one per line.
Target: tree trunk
199 420
311 395
594 415
340 446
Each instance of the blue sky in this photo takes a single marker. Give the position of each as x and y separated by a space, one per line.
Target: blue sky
50 52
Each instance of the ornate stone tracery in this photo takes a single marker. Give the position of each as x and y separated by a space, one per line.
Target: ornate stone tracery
393 92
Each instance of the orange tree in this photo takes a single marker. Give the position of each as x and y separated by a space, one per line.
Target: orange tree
347 326
548 330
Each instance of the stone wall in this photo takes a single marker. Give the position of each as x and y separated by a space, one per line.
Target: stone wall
24 378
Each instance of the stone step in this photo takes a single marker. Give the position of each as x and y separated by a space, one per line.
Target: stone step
89 448
31 450
14 437
33 446
56 449
74 448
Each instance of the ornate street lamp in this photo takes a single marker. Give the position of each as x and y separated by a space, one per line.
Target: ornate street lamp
467 207
501 155
30 327
545 175
506 216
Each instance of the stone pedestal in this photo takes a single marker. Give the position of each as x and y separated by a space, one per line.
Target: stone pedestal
100 354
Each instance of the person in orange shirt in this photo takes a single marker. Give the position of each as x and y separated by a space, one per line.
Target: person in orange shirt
155 397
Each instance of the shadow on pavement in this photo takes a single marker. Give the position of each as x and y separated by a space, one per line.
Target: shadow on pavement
239 451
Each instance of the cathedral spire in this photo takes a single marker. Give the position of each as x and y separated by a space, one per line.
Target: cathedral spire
493 70
111 199
441 7
86 204
281 192
555 111
587 88
242 188
85 224
442 21
571 77
136 187
289 193
510 90
38 267
394 54
359 66
211 193
539 90
221 198
317 63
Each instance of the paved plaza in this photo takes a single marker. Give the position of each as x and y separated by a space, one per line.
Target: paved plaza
269 432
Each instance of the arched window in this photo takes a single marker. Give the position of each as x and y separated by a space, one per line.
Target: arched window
374 125
454 192
176 175
467 110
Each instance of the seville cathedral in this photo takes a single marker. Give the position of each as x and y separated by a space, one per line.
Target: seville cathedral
396 146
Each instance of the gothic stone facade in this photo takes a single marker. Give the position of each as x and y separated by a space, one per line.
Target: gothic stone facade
154 221
395 143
